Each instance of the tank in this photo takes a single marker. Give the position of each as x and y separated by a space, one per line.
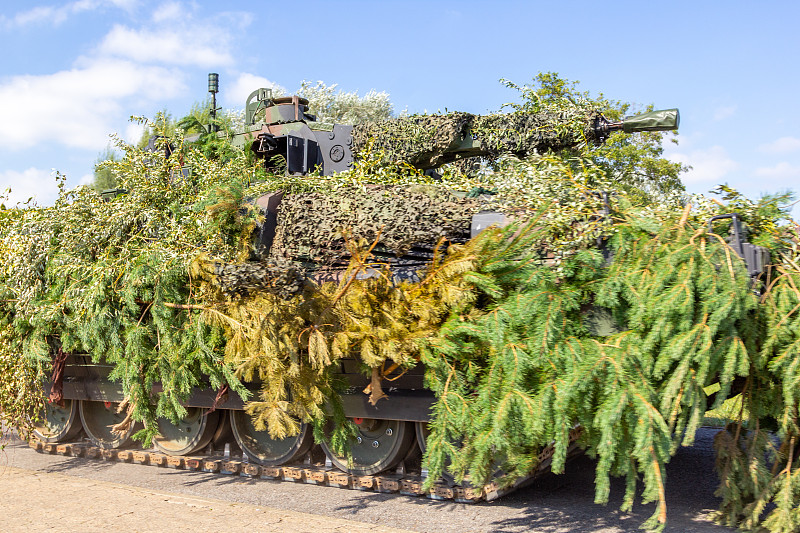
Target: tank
309 253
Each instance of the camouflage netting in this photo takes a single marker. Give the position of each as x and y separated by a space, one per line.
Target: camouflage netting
423 140
252 277
419 140
314 226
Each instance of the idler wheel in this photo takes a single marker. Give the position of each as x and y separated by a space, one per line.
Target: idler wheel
58 424
263 449
193 433
380 445
98 418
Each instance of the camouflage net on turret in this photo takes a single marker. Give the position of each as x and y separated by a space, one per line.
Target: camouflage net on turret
423 140
314 226
242 279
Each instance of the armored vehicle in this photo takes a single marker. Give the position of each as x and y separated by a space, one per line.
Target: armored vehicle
391 427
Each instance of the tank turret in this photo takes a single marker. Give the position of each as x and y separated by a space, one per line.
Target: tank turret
282 126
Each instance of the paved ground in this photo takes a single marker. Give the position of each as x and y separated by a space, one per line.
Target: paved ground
89 495
49 501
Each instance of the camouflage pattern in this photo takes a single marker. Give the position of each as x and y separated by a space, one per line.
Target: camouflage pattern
428 141
244 279
307 241
312 226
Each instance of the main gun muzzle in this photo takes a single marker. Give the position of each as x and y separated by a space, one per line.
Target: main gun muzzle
661 120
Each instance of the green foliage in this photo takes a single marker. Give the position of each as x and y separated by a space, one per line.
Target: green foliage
20 397
162 124
532 371
634 161
104 178
212 134
109 278
763 216
757 457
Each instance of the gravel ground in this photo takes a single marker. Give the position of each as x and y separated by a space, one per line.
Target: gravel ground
561 503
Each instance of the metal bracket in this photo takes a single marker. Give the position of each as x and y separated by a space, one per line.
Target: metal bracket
264 94
755 257
301 155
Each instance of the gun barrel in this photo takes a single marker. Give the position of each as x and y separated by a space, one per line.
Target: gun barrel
661 120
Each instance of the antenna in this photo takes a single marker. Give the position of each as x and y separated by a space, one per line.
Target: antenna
213 88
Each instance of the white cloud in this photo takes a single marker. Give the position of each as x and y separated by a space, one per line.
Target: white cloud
169 11
33 182
86 179
79 106
246 83
709 165
784 145
167 46
724 112
40 14
129 70
56 15
781 171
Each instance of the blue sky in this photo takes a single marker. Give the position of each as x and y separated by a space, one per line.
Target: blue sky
73 72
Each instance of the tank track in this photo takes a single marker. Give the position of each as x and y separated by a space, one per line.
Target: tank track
409 484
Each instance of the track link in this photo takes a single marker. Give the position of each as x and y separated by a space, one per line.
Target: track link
405 484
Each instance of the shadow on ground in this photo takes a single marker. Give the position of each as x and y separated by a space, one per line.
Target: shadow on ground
565 503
